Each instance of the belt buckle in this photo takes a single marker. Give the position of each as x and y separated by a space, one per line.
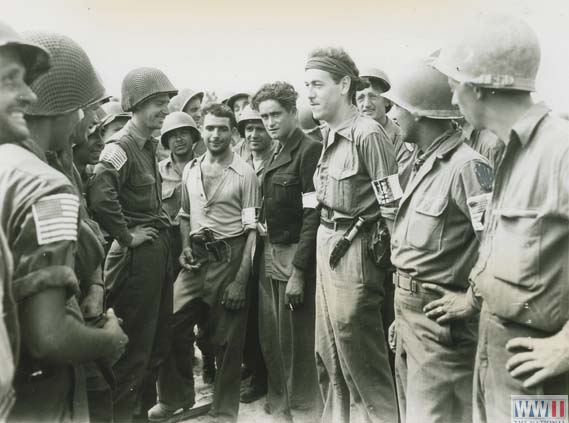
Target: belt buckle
414 287
335 226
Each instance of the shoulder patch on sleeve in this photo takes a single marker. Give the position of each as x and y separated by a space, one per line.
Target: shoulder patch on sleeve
56 218
115 155
477 206
485 175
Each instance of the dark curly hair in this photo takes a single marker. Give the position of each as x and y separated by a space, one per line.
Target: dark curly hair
280 91
340 54
219 110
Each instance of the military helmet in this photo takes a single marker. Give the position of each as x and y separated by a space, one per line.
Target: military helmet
378 75
35 58
247 115
305 117
498 52
142 83
176 120
70 84
423 91
110 111
179 102
230 101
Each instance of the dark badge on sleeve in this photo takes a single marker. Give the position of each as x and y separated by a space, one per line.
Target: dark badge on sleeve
484 175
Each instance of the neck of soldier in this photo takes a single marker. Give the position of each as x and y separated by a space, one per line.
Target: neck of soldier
429 130
503 110
140 123
339 117
382 121
223 158
286 139
40 132
182 160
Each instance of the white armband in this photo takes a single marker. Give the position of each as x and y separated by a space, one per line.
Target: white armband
387 190
250 216
309 200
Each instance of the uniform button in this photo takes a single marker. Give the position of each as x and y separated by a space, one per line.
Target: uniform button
529 322
526 305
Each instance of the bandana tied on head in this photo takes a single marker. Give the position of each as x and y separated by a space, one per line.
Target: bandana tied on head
336 67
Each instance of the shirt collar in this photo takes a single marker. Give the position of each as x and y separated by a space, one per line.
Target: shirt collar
236 164
524 128
467 130
136 133
442 145
345 128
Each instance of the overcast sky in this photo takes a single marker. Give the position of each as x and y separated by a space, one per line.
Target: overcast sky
240 44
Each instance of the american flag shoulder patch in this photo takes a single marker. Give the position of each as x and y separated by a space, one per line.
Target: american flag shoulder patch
115 155
56 217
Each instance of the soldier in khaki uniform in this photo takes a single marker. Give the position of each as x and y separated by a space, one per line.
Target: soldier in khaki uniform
355 178
371 102
125 198
20 63
40 218
434 243
521 274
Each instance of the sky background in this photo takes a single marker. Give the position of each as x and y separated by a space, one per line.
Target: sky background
238 45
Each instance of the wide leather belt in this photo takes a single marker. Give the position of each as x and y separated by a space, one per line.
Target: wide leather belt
407 282
337 225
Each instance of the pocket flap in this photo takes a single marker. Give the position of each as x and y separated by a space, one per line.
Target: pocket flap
142 179
434 206
168 190
286 179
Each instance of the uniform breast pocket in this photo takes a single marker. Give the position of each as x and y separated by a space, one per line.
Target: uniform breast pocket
516 247
288 191
426 224
168 189
342 189
143 187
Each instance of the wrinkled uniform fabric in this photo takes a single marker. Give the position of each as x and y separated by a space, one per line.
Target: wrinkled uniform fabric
198 294
434 241
252 355
126 192
522 270
351 352
57 392
7 328
287 337
484 142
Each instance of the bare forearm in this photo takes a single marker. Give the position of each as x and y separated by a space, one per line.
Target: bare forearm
185 232
246 261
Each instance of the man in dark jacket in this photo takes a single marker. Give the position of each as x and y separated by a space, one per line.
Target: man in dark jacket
287 288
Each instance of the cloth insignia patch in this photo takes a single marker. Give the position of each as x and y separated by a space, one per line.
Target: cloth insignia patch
309 200
485 175
114 155
387 190
249 216
56 218
477 206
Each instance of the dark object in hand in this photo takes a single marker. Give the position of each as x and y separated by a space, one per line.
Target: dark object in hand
344 243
